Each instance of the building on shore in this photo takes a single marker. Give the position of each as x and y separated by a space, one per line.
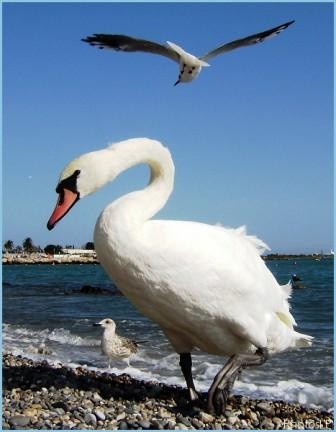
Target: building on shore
69 255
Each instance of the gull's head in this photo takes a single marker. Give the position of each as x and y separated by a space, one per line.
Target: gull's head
81 177
106 323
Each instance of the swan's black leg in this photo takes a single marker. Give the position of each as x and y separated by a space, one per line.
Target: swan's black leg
224 380
186 363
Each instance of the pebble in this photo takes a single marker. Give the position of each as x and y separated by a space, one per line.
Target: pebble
90 419
253 416
60 411
144 424
197 423
157 424
232 420
37 395
121 416
99 414
206 418
19 421
267 424
244 424
183 420
266 408
30 412
277 422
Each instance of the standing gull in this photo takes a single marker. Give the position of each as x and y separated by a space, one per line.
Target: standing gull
190 66
113 345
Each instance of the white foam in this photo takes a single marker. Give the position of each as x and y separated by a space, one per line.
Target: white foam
66 337
290 391
147 366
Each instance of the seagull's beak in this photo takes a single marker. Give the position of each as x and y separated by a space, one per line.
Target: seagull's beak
66 200
96 325
177 82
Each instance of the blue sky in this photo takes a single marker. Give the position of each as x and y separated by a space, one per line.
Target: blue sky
252 137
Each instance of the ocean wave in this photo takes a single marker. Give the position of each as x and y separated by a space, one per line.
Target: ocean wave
293 391
147 365
289 391
13 335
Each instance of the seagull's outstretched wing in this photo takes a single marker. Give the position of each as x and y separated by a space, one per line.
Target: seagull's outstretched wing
129 44
249 40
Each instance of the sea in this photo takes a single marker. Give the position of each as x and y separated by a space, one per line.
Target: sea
43 306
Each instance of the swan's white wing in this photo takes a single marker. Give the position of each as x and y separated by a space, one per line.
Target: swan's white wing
130 44
221 261
249 40
216 274
213 273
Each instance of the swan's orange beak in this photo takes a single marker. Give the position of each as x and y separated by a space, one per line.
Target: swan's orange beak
66 200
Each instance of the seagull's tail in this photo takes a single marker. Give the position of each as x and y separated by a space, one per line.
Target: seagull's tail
203 63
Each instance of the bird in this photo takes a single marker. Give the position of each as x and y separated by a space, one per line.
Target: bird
295 278
206 286
190 65
114 346
296 281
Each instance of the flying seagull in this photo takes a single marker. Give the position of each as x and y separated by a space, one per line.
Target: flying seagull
190 66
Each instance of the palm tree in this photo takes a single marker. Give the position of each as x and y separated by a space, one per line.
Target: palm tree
89 246
28 245
9 245
52 249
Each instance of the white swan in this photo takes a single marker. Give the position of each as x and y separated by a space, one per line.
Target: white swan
206 286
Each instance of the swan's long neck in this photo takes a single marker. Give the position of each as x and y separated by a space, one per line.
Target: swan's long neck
136 207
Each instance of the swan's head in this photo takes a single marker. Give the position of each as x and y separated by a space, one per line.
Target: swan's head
106 323
79 178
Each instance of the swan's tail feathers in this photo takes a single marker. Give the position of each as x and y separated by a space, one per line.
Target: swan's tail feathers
255 241
303 340
286 318
287 289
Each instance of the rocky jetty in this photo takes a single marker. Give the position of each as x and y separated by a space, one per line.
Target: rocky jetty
37 395
43 258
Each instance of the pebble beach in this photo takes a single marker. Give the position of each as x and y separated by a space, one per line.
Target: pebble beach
37 395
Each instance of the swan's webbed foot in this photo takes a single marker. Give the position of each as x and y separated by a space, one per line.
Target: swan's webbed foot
186 364
218 403
224 380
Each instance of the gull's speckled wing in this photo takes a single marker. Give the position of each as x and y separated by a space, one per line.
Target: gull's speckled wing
247 41
130 44
129 344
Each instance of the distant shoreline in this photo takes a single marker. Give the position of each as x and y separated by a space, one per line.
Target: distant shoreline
42 258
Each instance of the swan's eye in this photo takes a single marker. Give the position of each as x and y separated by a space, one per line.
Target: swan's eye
69 183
